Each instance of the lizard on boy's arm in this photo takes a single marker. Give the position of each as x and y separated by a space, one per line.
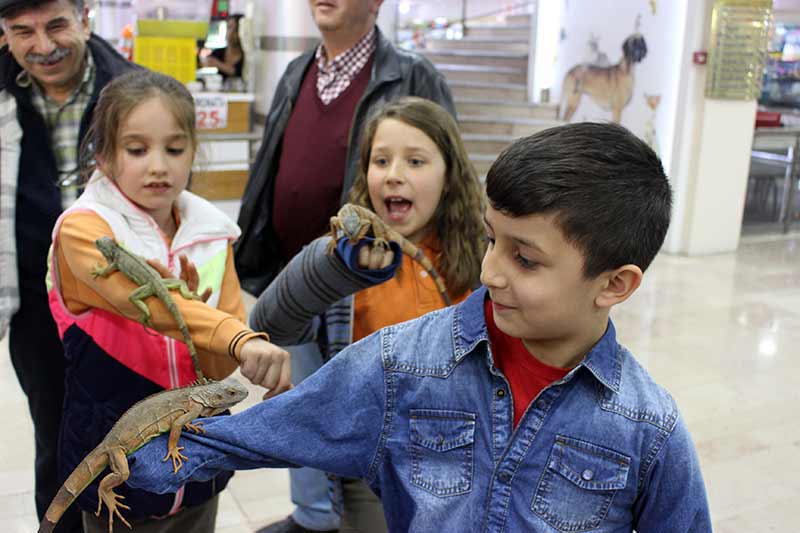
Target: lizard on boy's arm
167 411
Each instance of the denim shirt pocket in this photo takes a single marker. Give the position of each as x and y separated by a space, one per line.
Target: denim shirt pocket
442 451
578 484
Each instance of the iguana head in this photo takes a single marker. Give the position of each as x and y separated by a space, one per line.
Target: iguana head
107 247
219 395
351 222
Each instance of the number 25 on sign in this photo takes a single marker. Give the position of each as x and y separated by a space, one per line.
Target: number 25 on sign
211 111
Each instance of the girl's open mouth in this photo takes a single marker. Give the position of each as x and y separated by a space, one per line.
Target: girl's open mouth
397 207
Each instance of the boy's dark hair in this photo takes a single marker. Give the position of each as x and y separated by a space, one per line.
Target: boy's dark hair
606 187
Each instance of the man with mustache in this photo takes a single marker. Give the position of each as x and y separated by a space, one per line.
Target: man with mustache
303 173
51 74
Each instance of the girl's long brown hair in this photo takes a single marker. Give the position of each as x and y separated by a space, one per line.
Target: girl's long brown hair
458 218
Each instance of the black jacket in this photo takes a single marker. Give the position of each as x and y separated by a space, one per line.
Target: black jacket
38 197
395 73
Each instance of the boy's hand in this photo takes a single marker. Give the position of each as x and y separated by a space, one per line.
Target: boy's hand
188 274
374 257
267 365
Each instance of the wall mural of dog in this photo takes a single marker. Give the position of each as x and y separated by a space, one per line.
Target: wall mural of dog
610 86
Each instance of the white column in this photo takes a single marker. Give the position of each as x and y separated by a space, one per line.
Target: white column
282 30
711 154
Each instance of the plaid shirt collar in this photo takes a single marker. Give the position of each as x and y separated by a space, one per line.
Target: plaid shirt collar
63 122
335 75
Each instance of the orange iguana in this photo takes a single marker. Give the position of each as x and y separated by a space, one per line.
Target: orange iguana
169 410
356 222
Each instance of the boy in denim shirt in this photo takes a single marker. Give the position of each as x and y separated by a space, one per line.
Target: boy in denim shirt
516 410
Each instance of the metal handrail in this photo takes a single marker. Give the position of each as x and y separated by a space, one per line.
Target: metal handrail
507 9
463 20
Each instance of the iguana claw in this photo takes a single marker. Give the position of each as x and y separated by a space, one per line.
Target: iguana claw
112 501
177 458
196 427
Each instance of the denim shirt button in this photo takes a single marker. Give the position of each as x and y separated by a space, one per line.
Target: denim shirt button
501 393
440 440
541 404
505 477
587 475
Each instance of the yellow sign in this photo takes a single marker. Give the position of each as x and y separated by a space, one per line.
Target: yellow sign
738 48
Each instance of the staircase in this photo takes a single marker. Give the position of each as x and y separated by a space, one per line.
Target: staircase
487 71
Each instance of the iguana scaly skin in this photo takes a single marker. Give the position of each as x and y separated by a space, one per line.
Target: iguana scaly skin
150 284
356 222
169 410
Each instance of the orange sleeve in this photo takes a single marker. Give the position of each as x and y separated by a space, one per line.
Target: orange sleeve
217 334
230 295
230 302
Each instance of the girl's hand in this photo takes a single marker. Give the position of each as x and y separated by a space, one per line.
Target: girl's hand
267 365
188 274
373 257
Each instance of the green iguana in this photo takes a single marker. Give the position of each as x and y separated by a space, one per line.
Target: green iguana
150 284
169 410
356 222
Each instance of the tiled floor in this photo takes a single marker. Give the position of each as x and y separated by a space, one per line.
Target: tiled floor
721 332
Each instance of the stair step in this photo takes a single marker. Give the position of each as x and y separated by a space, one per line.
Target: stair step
506 44
494 108
516 127
482 163
519 31
514 20
492 58
482 143
488 90
485 73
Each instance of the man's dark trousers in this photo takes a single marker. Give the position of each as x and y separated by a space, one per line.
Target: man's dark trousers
38 359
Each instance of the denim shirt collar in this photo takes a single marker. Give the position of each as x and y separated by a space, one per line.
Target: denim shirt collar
469 330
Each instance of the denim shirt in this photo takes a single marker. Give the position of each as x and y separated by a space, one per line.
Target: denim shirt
421 413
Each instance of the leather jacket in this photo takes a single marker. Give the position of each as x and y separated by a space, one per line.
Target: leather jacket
395 73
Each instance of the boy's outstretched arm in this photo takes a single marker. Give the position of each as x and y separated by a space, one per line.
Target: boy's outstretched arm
310 283
674 494
339 432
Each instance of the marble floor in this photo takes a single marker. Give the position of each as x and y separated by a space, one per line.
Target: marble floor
720 332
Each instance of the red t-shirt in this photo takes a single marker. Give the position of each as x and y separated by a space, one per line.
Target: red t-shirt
526 374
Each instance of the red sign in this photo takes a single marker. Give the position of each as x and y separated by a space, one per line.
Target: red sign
700 58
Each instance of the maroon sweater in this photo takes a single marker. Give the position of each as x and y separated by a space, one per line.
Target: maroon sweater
308 186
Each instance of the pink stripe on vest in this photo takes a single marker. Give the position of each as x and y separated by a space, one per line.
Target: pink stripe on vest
142 350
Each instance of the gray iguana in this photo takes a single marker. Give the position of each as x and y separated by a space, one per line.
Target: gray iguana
150 283
355 222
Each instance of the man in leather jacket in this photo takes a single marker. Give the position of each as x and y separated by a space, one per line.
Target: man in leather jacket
394 73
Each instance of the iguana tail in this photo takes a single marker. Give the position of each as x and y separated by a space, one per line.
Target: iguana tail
192 351
88 469
418 255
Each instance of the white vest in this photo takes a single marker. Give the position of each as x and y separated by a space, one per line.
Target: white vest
203 235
